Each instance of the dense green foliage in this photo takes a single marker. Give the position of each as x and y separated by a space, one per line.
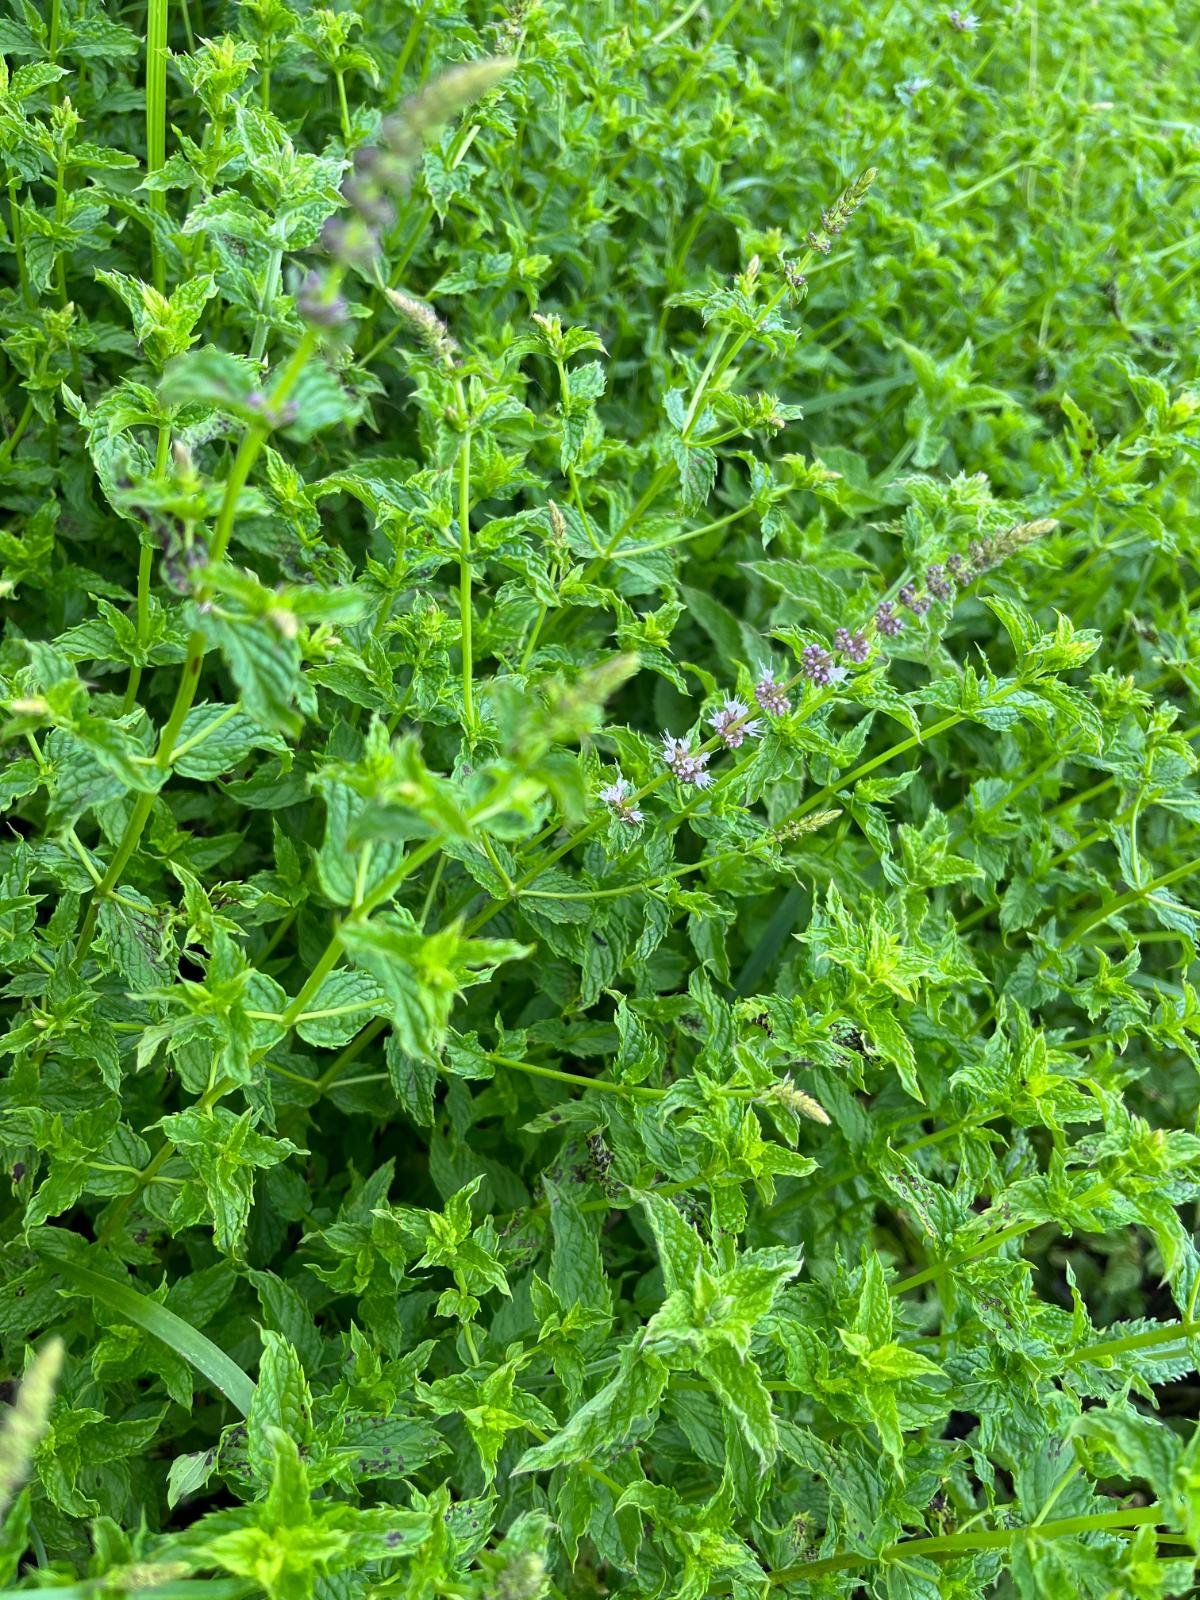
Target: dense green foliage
599 800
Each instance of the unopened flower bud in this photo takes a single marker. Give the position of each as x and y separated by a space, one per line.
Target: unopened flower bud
937 583
855 647
285 622
317 306
817 666
426 324
558 526
785 1093
350 239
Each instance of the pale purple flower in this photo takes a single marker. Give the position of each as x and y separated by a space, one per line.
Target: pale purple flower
886 620
962 21
687 767
855 647
733 723
770 695
616 797
817 666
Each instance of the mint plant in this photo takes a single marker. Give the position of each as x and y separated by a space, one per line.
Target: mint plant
598 717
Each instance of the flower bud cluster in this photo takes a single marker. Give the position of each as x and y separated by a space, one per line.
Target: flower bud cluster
733 724
380 172
835 217
942 579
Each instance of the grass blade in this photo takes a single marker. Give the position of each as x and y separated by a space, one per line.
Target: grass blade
207 1358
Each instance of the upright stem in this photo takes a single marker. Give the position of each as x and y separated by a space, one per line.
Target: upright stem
145 575
18 239
156 116
464 569
270 289
343 108
197 646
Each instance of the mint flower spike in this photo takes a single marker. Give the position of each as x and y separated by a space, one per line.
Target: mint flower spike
770 694
937 582
616 797
818 667
855 646
380 172
886 620
733 723
27 1420
918 604
687 766
784 1093
425 323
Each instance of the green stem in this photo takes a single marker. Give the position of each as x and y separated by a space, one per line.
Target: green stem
355 1048
867 767
795 815
343 108
1112 908
717 365
464 569
952 1544
686 538
925 1142
215 1091
617 1489
277 937
415 29
145 575
206 733
18 239
156 117
684 16
531 642
701 389
270 289
185 693
1165 1333
14 438
984 1247
578 1081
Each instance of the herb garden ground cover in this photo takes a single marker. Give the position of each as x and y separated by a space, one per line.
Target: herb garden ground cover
599 703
